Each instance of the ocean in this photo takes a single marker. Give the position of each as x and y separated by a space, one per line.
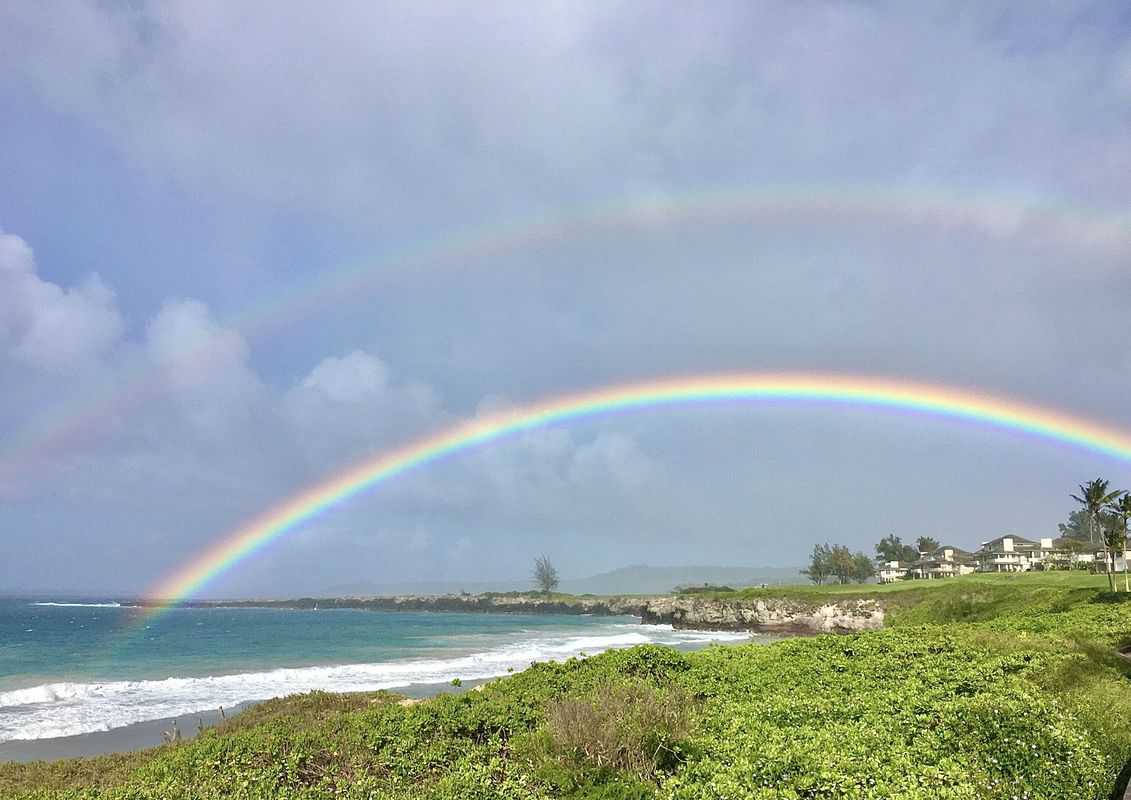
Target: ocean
80 667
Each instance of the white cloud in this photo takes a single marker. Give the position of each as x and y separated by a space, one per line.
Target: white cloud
349 405
185 339
350 378
47 326
204 366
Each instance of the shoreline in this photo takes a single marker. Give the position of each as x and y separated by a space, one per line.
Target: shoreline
147 734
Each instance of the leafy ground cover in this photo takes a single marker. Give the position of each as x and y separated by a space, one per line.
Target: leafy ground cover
988 688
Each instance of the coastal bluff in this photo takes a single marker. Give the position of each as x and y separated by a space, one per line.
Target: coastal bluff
770 614
782 615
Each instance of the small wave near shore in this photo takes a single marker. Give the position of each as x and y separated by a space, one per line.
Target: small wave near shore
67 709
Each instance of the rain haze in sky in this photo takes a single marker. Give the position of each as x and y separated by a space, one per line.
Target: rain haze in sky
243 245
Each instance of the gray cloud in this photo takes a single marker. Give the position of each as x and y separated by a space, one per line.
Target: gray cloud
214 443
47 326
528 107
943 197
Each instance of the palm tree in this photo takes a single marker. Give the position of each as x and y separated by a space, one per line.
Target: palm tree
1094 497
927 544
1122 509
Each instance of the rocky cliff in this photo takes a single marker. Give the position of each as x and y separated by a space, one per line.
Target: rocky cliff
768 614
497 603
765 614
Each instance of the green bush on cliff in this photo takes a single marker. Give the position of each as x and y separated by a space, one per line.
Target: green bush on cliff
1028 700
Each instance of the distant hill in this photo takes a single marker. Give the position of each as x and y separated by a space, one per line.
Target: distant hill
373 588
636 579
643 579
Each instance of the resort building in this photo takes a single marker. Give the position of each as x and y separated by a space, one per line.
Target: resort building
944 562
1092 556
1011 553
891 571
1007 553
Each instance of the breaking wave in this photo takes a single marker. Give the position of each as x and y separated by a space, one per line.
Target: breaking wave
84 605
67 709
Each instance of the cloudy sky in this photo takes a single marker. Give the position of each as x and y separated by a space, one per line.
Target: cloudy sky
244 244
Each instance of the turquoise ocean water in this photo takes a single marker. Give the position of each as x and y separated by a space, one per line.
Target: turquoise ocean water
77 667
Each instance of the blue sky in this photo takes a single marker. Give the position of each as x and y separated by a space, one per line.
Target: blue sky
206 158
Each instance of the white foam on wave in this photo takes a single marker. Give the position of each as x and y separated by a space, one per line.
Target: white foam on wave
68 709
84 605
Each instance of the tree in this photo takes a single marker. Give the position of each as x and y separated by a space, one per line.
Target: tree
1076 527
1075 546
926 544
1121 510
1094 497
840 559
837 561
1113 534
820 564
545 575
891 548
862 568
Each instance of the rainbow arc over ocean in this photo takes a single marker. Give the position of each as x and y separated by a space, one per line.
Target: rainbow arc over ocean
877 393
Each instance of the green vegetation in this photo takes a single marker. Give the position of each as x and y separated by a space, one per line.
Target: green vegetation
1107 513
927 544
982 687
545 575
892 548
837 561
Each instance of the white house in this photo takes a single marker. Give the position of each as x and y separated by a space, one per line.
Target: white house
944 562
891 571
1012 553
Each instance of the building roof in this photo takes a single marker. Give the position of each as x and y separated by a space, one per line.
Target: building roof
957 553
1019 543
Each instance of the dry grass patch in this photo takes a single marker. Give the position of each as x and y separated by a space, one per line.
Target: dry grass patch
632 727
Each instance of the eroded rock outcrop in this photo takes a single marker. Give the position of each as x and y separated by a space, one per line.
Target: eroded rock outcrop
768 614
497 603
702 613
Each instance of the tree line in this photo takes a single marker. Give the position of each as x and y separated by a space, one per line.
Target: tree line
892 548
837 561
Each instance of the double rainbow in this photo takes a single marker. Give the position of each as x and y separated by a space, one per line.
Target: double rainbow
870 392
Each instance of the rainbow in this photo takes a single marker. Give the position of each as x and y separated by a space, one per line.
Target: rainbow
872 392
992 215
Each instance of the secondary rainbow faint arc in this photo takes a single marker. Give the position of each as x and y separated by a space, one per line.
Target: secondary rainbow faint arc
994 214
962 404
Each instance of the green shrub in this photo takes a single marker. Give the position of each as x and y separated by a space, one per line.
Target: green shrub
979 689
